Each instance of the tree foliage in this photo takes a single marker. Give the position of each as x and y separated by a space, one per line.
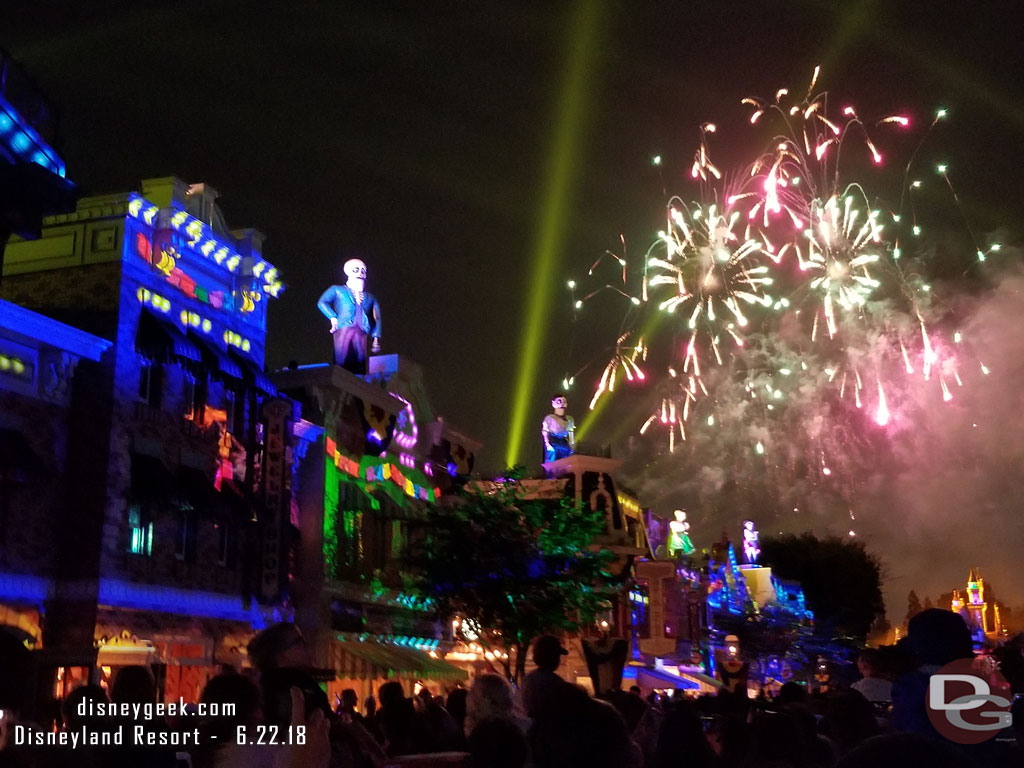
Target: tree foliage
840 579
913 605
515 567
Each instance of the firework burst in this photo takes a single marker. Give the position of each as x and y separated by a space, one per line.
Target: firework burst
860 321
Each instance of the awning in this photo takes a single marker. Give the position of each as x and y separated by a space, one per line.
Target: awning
125 655
18 462
232 496
159 339
662 678
371 659
251 373
215 358
151 480
197 487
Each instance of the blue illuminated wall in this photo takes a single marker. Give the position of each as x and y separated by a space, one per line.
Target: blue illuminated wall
205 282
162 255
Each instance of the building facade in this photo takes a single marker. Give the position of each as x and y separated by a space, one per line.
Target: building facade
370 456
47 372
176 541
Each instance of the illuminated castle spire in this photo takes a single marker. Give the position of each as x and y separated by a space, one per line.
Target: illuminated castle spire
978 613
957 604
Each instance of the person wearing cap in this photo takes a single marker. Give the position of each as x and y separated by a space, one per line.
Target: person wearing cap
540 685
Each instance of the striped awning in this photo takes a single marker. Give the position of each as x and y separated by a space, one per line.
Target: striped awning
159 339
662 678
356 659
252 373
218 359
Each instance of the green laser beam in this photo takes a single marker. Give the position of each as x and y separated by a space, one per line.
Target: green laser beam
572 107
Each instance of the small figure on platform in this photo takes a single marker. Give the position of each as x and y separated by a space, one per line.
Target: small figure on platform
750 539
354 316
558 431
679 542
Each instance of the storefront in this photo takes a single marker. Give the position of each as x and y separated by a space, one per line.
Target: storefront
183 652
365 662
691 681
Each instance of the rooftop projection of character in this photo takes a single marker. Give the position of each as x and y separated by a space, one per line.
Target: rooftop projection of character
750 539
354 316
679 542
558 431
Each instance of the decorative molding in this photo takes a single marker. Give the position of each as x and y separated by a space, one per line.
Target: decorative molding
51 332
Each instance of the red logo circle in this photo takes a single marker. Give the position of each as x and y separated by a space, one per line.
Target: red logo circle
968 701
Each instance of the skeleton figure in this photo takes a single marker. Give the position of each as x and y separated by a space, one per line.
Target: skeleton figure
679 538
558 431
354 316
750 537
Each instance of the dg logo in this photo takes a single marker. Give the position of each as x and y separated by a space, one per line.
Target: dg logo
967 705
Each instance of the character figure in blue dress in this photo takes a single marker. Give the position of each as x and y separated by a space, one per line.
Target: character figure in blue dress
558 431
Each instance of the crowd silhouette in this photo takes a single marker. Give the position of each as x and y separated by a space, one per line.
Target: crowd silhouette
879 721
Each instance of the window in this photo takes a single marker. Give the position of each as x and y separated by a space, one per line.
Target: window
149 382
192 397
140 531
230 404
351 544
184 540
225 544
397 539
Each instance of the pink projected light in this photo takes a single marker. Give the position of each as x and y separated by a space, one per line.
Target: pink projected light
406 431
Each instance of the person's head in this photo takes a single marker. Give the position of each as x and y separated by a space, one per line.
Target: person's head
280 646
559 403
548 652
848 720
240 692
635 690
390 694
489 696
497 743
93 694
456 703
938 637
679 515
681 738
778 736
355 274
791 693
133 685
349 698
869 663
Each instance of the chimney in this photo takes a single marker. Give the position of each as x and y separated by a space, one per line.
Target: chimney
206 196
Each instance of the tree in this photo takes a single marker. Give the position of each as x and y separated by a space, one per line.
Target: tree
512 566
928 603
913 606
840 579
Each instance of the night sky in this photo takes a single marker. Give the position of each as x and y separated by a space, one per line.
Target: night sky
417 135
